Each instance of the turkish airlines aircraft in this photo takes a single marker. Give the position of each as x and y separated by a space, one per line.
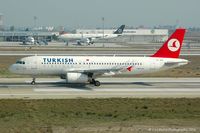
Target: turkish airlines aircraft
83 69
89 38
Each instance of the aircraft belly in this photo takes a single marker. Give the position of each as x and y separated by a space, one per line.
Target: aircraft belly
49 71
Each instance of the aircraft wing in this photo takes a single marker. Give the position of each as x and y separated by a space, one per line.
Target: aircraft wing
111 71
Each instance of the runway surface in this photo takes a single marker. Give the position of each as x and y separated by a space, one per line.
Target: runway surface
54 88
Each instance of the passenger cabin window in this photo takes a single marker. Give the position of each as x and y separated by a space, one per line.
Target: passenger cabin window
20 62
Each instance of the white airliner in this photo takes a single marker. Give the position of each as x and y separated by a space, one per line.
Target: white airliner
85 69
30 41
89 38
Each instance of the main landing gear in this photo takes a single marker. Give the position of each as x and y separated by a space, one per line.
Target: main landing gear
33 81
95 82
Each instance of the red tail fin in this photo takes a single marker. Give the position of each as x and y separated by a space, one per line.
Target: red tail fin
172 47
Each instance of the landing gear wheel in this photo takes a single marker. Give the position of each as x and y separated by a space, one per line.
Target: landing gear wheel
97 83
33 81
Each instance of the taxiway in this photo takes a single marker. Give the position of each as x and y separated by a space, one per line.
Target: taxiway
10 49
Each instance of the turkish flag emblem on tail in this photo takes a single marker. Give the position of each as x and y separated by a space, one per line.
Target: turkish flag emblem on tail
172 47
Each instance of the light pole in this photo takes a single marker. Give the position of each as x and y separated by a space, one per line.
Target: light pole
1 21
34 29
103 19
35 19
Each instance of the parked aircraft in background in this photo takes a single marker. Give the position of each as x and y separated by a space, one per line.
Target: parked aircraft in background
89 38
31 41
83 69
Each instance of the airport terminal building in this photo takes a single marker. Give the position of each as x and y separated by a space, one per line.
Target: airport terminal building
19 36
132 35
129 35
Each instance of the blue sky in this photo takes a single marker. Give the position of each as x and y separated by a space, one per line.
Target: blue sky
88 13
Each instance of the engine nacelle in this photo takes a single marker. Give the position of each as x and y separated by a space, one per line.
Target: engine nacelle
76 78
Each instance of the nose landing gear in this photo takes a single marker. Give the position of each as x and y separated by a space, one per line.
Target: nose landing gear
33 81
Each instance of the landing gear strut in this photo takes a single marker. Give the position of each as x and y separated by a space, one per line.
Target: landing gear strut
95 82
33 81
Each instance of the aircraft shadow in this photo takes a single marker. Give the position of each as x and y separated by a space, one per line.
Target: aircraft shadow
74 86
80 86
128 83
57 84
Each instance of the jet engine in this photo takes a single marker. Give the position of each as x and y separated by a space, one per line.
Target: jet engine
76 78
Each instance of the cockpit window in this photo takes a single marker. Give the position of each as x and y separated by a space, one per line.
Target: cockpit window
20 62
